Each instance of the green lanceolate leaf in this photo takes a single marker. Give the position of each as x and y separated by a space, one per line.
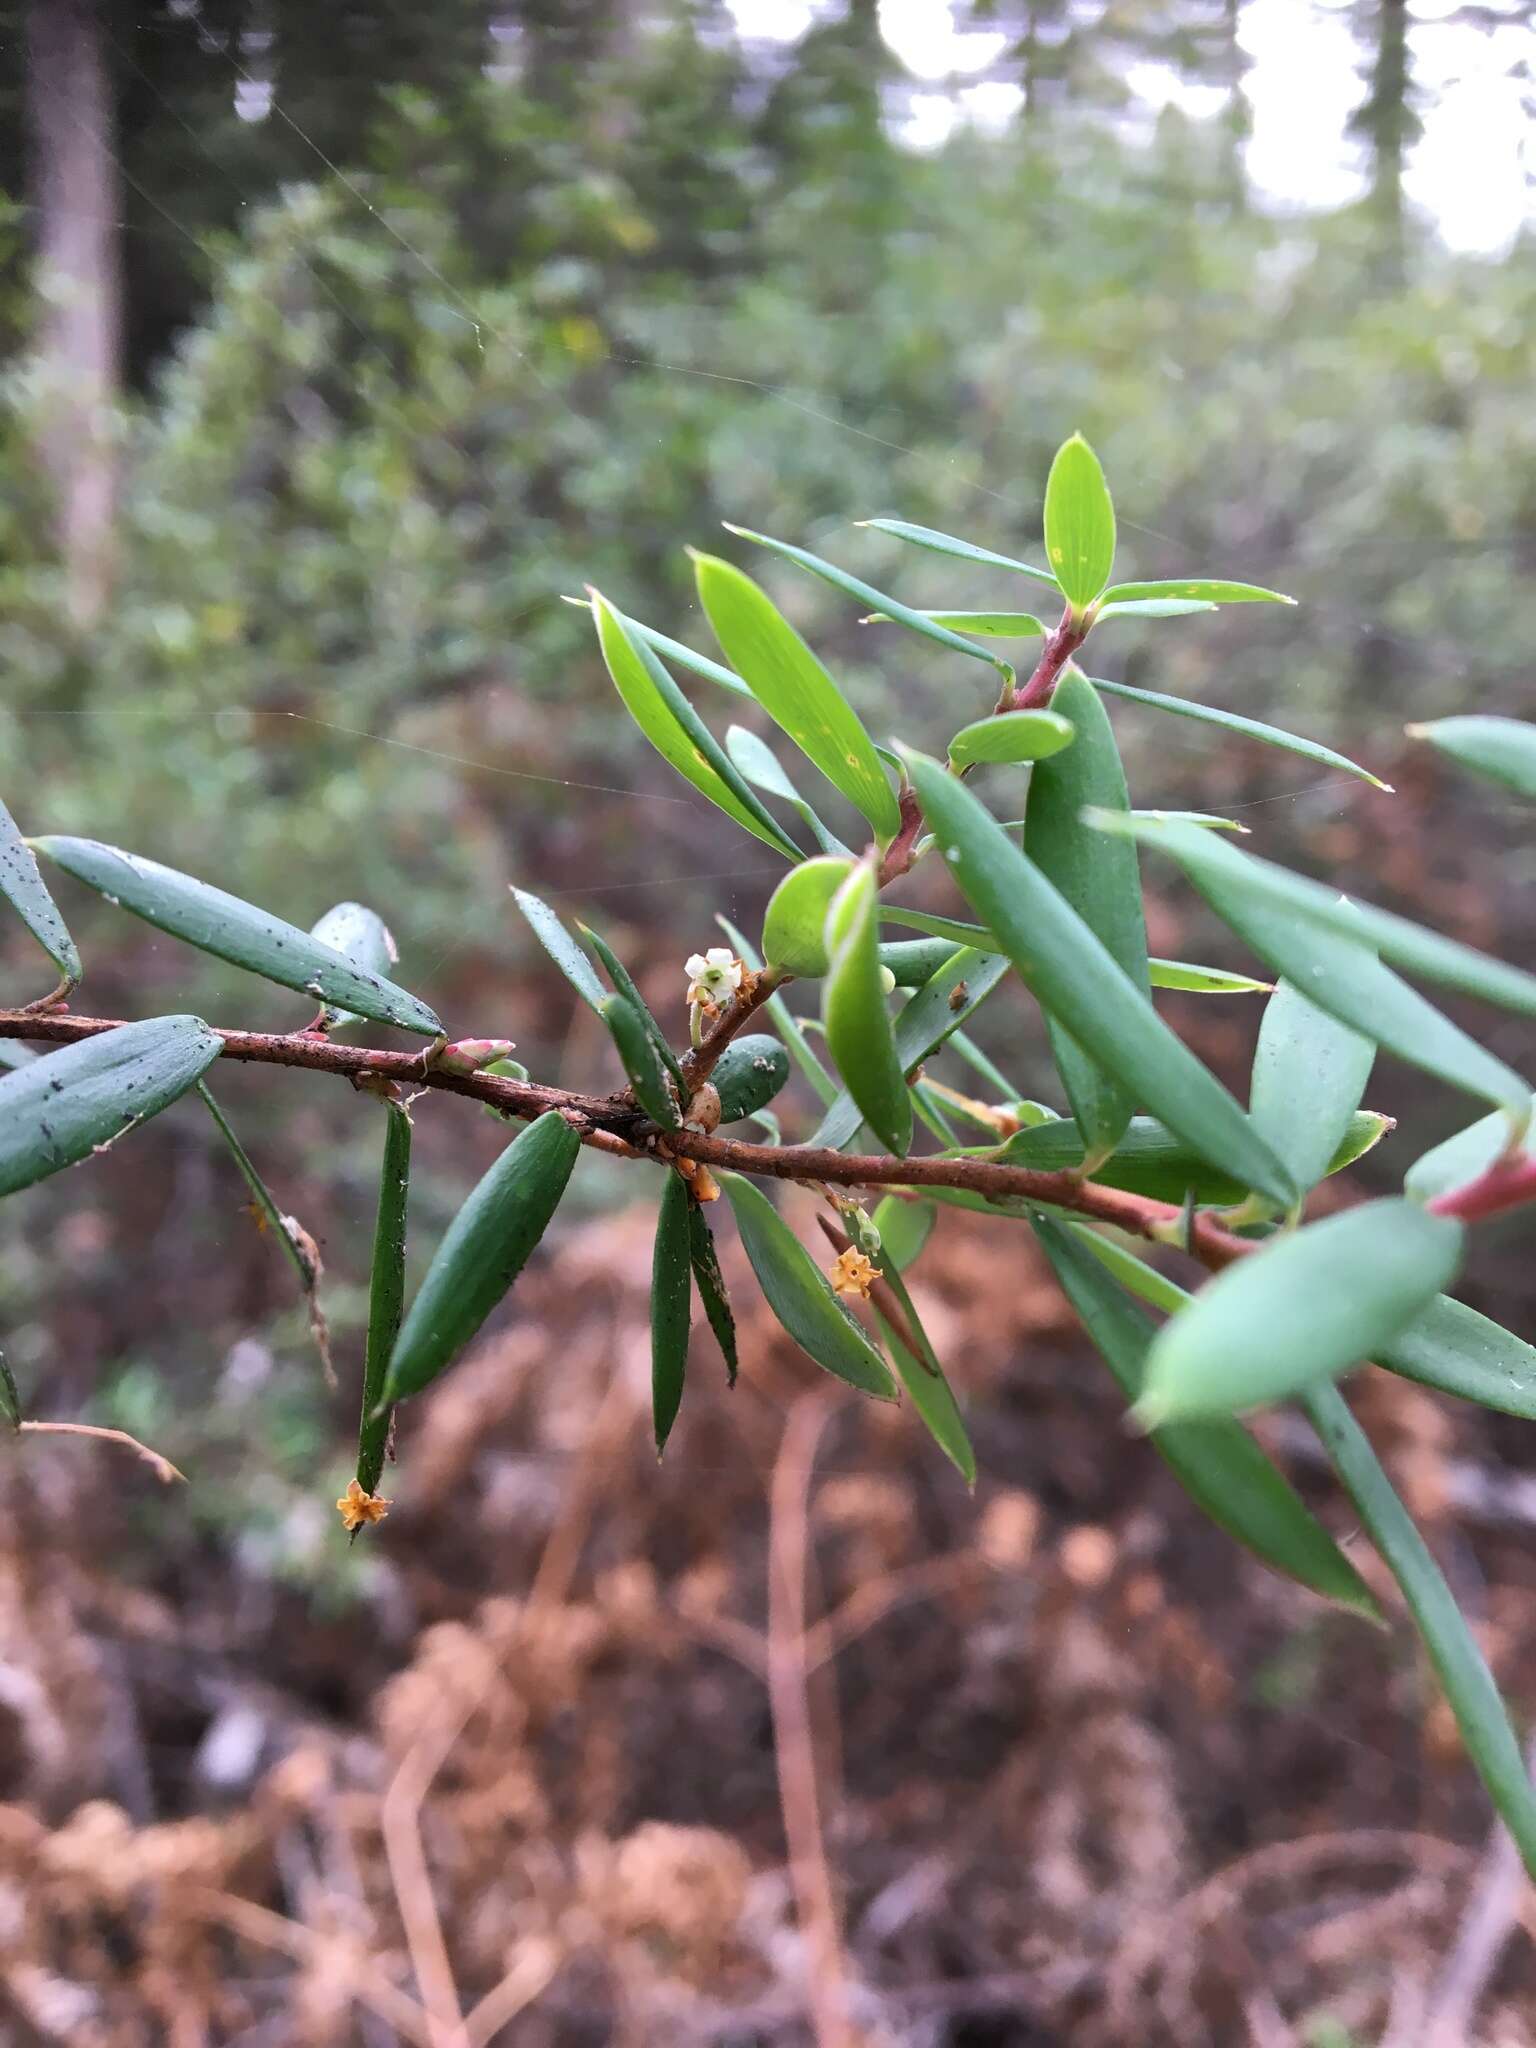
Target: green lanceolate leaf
676 730
1217 1463
1149 608
1010 736
561 948
961 550
955 929
64 1106
483 1250
890 607
904 1228
237 932
783 1021
1206 818
1207 857
1466 1156
1105 894
23 887
1454 1349
911 962
922 1026
985 625
1306 1307
623 981
686 657
1249 728
794 924
1195 590
858 1026
1081 985
795 690
801 1296
710 1282
1502 749
1203 981
748 1075
1151 1160
671 1300
760 765
1309 1073
360 935
649 1080
922 1375
386 1294
1459 1664
1079 523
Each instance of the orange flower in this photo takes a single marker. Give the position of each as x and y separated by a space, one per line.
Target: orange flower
851 1273
357 1508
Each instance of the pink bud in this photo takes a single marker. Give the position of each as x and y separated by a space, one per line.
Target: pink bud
469 1055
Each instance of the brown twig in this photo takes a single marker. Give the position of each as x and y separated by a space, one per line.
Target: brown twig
164 1470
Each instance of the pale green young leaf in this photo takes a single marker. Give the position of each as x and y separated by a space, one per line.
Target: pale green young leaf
1249 728
1010 736
762 768
904 1228
1149 608
858 1025
794 924
1194 589
1502 749
961 550
1079 523
22 885
985 625
1309 1073
1203 981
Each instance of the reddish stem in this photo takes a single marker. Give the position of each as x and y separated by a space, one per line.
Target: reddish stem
1510 1183
1059 649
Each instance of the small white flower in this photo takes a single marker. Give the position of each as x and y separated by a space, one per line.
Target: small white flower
713 977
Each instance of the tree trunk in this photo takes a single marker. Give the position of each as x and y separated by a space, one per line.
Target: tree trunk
79 335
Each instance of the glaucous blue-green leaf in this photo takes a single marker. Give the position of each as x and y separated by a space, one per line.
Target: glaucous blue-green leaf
1203 981
1309 1073
858 1025
710 1282
1081 985
922 1026
800 1294
676 731
985 625
483 1250
561 948
1466 1156
14 1054
921 1373
889 607
649 1081
1149 608
62 1107
238 932
904 1227
1194 589
1010 736
1079 523
794 924
1248 728
23 887
748 1075
671 1302
1459 1664
795 690
1152 1160
1306 1307
1207 857
761 766
1106 894
961 550
784 1021
1502 749
1217 1463
360 935
1453 1348
386 1294
624 982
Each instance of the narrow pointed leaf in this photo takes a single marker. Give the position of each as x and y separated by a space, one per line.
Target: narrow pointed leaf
1203 981
1208 819
1217 1463
676 730
1079 523
1502 749
955 929
1309 1073
904 1228
649 1080
1454 1349
1206 856
561 948
61 1108
1248 728
360 935
624 982
1078 981
1466 1156
890 607
801 1296
985 625
1106 894
990 1072
483 1250
858 1026
238 932
23 887
1306 1307
962 550
795 690
1152 1160
923 1376
1459 1664
671 1301
914 961
685 657
710 1282
386 1294
1197 589
761 766
784 1021
749 1074
795 922
1010 736
1149 608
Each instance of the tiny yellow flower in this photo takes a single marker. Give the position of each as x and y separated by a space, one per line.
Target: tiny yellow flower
357 1508
852 1273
